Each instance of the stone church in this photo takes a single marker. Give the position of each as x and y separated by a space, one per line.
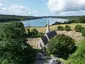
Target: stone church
48 35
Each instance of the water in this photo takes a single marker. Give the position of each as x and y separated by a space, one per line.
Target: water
42 22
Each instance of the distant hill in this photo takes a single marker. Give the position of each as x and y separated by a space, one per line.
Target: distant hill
65 17
71 19
6 18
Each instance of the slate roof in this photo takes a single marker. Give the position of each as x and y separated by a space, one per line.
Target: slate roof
48 35
44 39
51 34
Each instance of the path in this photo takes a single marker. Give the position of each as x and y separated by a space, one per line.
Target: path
41 62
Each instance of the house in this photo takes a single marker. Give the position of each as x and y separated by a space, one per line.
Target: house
42 42
48 35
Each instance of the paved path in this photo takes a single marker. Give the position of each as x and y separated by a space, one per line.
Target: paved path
46 61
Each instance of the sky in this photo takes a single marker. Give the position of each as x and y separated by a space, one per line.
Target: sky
43 7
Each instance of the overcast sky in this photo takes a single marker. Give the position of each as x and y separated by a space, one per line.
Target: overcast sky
42 7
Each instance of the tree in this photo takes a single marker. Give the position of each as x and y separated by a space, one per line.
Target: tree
29 33
67 28
83 31
13 46
60 28
78 28
34 32
61 46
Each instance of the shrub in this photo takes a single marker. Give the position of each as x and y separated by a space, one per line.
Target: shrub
60 28
29 34
61 46
79 56
34 32
67 28
83 31
78 28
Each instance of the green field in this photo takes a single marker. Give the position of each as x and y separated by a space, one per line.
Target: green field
54 27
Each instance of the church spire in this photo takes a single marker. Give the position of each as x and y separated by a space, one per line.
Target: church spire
48 27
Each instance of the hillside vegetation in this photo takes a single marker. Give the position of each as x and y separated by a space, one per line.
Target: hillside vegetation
79 56
13 46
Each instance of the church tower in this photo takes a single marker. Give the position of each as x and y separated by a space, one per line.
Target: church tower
48 27
42 44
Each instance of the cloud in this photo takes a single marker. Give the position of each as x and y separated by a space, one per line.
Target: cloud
71 13
0 5
14 10
66 6
2 0
17 10
35 13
